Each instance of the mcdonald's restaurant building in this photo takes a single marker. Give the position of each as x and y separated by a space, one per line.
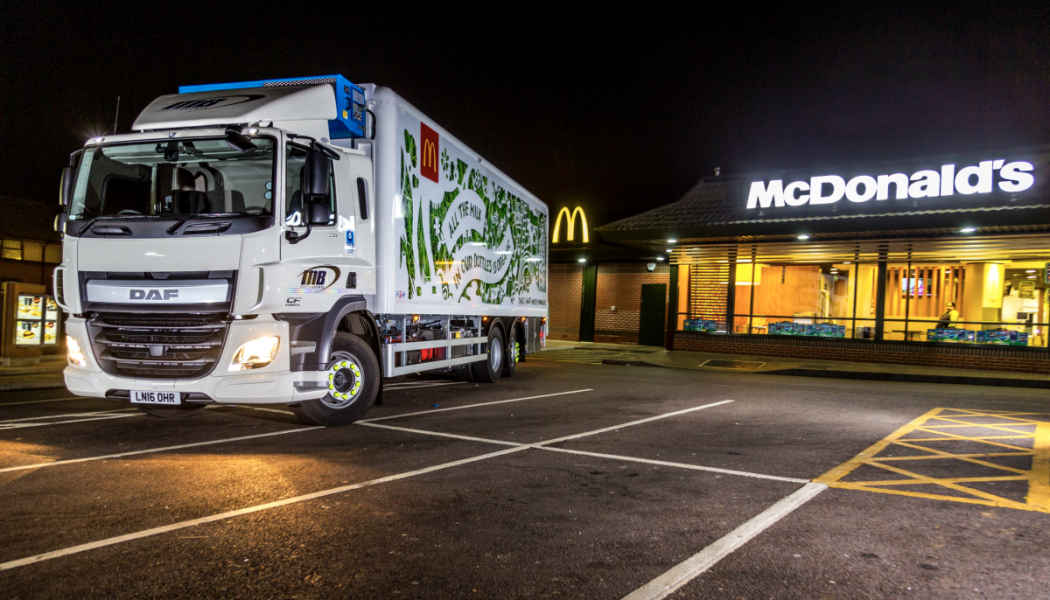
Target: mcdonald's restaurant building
941 261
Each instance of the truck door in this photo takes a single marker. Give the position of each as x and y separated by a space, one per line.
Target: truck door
313 269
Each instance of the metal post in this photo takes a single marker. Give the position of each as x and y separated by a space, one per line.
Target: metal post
880 300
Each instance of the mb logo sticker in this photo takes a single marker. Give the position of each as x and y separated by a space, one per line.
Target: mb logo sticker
317 279
153 294
429 152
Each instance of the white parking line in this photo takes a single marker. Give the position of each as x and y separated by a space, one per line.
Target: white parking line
448 435
152 450
101 418
687 570
662 463
43 401
83 414
13 564
437 410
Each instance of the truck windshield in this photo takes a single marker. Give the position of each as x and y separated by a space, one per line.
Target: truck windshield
177 179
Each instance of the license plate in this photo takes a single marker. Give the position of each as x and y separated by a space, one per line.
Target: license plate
156 398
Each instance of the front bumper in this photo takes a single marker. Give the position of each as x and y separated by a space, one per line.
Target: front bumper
272 384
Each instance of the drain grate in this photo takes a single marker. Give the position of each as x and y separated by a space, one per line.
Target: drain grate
743 365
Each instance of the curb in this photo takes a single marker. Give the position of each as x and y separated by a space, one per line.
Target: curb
910 378
31 385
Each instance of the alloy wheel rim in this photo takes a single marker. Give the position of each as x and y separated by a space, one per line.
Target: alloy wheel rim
344 379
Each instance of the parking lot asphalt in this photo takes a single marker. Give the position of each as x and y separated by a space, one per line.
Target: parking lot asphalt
568 480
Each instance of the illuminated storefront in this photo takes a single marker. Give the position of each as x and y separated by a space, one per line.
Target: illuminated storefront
942 261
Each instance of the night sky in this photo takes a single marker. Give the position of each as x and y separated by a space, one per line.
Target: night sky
614 111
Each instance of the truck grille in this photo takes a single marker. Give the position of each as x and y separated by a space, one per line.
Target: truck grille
157 345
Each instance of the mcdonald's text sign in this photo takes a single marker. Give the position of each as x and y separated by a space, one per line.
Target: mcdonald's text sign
428 152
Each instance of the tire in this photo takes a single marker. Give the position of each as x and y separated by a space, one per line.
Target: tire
353 384
510 357
171 412
489 371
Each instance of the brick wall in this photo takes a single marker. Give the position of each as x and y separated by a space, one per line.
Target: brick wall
620 285
564 294
932 356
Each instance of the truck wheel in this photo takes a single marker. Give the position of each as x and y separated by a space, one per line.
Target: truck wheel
489 371
353 384
171 412
510 358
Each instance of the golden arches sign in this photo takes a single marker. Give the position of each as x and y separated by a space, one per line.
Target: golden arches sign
571 218
430 156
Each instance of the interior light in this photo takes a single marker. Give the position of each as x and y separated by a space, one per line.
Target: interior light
968 230
73 353
1030 271
659 258
847 263
1031 276
256 353
669 250
583 260
672 241
803 237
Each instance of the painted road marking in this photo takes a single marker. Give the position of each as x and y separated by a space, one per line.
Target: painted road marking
663 463
43 401
29 560
99 418
82 414
152 450
437 410
13 564
687 570
922 437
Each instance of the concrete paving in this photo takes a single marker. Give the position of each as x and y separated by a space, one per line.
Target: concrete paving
568 480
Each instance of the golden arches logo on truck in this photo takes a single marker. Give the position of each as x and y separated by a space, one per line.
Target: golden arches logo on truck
571 218
428 152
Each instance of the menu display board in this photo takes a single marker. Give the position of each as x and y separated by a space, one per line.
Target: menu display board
37 321
51 311
27 333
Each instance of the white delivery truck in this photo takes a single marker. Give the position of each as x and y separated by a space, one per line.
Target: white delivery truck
294 242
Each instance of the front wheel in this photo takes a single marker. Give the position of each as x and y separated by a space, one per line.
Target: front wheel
489 371
353 384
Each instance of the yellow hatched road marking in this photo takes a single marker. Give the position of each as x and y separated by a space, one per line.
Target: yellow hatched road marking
935 422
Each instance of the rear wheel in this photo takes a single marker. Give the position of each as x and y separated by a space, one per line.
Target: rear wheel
353 383
510 360
171 412
489 371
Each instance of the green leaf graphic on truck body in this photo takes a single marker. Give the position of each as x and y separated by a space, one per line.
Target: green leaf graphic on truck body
467 238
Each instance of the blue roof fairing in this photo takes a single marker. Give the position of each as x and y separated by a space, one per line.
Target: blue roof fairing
349 99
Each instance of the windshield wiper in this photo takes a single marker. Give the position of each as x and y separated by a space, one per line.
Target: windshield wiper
171 230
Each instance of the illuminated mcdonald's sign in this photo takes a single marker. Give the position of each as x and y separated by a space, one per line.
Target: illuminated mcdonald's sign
428 152
571 218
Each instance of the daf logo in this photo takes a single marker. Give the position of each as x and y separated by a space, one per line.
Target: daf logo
164 294
214 102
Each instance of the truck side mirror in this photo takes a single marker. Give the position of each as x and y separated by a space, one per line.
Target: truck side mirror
316 174
318 213
65 189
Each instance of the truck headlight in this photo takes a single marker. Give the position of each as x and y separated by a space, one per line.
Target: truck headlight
73 353
256 353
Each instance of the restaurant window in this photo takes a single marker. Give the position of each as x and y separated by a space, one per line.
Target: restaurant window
32 251
828 300
53 253
11 249
991 302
